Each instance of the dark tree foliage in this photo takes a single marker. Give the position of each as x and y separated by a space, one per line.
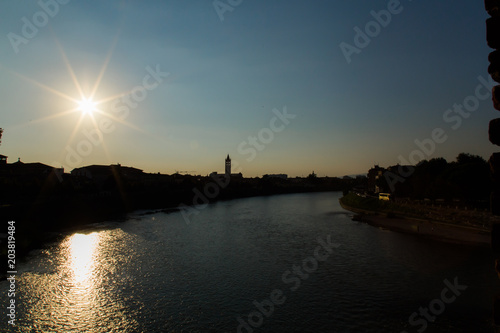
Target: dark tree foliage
465 179
312 176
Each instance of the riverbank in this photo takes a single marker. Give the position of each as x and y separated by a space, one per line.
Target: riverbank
402 219
44 220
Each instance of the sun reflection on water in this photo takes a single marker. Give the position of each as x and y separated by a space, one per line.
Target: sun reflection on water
82 250
79 286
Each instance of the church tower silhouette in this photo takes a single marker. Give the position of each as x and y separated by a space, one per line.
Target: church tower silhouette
228 166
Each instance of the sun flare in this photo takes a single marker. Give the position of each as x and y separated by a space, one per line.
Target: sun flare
84 103
87 106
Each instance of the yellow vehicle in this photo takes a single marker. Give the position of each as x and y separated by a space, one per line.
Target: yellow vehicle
384 196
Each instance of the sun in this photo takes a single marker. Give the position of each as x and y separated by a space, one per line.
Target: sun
87 106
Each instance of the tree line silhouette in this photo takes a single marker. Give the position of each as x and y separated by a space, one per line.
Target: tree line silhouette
466 179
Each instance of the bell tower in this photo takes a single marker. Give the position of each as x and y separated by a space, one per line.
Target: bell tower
228 166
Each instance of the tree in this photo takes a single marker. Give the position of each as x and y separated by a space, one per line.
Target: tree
464 158
471 174
467 178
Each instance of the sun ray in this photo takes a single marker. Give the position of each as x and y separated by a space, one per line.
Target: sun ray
72 136
113 97
105 65
106 151
44 86
119 120
94 122
57 115
75 130
69 68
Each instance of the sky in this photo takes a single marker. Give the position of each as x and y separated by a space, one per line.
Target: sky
282 86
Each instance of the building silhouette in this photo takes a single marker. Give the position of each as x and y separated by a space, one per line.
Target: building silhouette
276 175
228 166
374 175
227 173
20 172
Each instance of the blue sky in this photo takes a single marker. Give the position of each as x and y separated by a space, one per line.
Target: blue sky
225 78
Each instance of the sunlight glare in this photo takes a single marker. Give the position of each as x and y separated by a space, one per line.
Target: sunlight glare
87 106
82 249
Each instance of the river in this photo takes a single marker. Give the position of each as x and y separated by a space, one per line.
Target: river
285 263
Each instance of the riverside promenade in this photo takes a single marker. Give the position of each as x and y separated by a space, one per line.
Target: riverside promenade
438 230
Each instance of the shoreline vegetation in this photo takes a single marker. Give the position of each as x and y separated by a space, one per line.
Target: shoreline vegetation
436 220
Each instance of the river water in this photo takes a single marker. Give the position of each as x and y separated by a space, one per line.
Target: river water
287 263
